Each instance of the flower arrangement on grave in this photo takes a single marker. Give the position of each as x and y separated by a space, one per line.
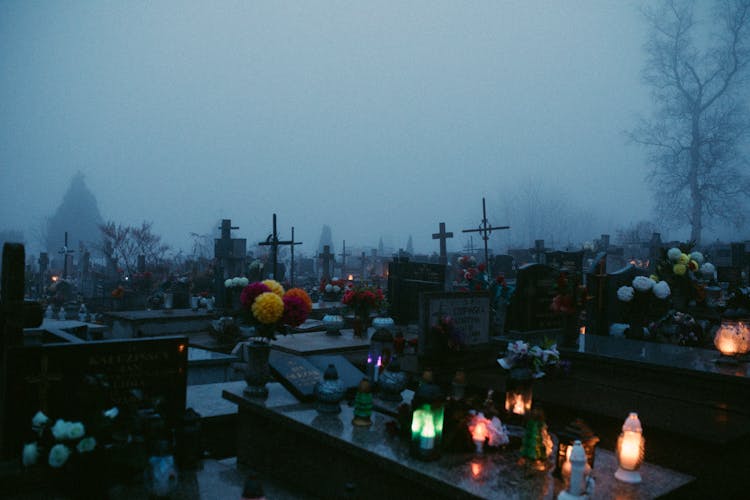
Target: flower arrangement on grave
449 335
645 300
687 272
332 289
71 452
677 328
362 300
535 359
271 309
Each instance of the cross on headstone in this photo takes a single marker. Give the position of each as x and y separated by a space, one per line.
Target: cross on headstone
442 236
42 381
485 230
327 257
273 241
344 255
65 251
230 256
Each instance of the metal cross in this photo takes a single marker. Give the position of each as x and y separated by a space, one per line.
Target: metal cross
485 230
64 251
274 242
442 236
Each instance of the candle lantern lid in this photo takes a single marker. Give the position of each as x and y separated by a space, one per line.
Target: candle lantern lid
427 392
577 430
382 335
632 424
331 373
394 365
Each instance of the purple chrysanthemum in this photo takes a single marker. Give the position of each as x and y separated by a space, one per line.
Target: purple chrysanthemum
251 292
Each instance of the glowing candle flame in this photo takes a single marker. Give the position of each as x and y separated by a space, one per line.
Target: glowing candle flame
519 408
476 469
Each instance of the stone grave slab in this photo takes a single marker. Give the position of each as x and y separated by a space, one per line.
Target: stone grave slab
349 374
52 378
316 342
330 451
135 324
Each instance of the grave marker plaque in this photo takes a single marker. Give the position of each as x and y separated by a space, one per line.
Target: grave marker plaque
470 313
570 262
406 280
295 373
729 274
52 378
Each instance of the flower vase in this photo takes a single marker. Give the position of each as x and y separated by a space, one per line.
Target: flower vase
360 325
519 391
257 370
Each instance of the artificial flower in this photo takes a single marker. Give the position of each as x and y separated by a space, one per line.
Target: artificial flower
298 292
251 292
60 429
275 287
268 307
642 283
295 310
684 258
39 420
674 254
708 270
58 455
655 278
661 290
76 430
679 269
86 444
697 257
112 412
228 283
693 265
625 293
30 454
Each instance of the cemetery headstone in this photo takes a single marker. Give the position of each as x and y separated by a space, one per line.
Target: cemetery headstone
326 261
140 373
230 254
504 264
596 284
530 307
344 254
539 252
570 262
469 314
614 311
731 275
406 280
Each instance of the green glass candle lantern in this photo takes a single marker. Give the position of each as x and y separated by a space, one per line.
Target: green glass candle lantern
379 354
428 408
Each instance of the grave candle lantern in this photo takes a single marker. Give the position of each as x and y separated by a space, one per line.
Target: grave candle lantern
575 431
519 391
732 338
428 407
630 450
379 354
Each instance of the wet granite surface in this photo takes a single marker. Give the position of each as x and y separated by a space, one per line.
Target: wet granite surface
319 342
491 475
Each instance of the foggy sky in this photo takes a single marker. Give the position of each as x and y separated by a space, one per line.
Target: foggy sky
376 118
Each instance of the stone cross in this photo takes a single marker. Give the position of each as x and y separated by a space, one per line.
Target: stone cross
327 257
344 255
442 236
539 252
363 265
273 241
223 252
485 230
64 251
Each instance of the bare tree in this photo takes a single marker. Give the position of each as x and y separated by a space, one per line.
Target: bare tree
696 133
121 245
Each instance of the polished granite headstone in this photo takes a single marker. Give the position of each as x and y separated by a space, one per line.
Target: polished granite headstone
132 324
304 344
319 453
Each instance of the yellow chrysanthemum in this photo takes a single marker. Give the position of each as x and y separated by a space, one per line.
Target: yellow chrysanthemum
654 277
275 287
679 269
684 259
268 308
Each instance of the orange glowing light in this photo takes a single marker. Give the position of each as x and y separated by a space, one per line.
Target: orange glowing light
519 406
732 338
582 330
476 469
55 278
181 348
351 277
480 432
